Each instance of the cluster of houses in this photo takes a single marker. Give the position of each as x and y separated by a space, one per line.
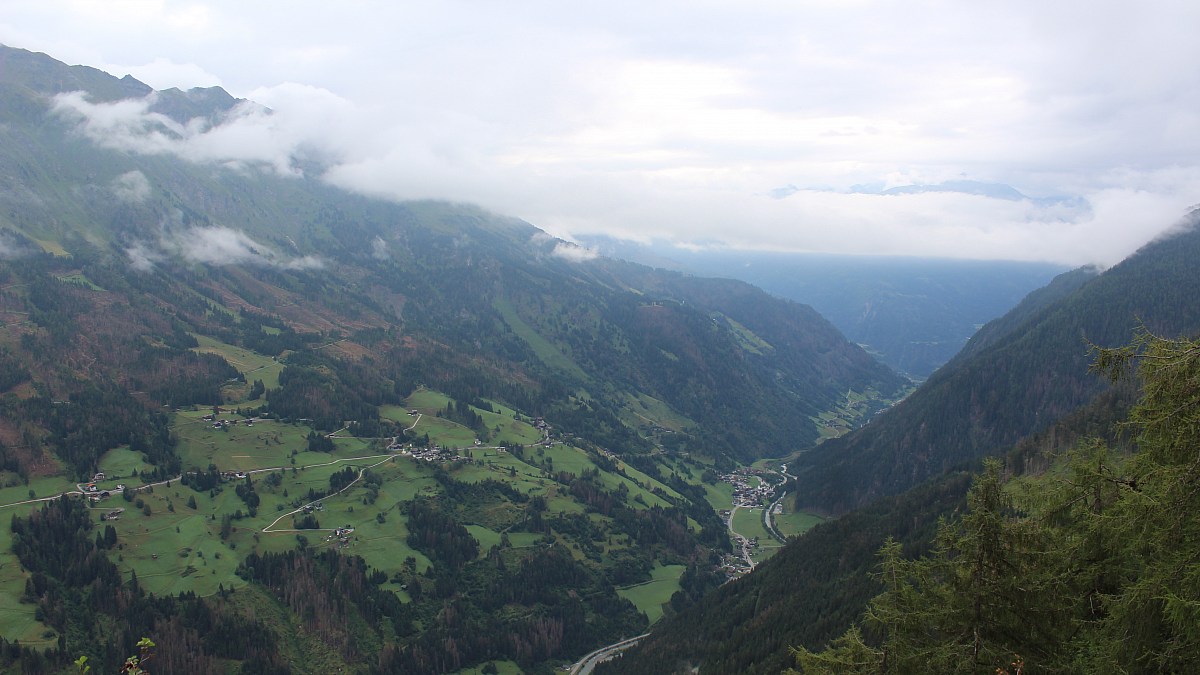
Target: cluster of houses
115 514
434 454
734 566
341 535
747 490
225 424
95 492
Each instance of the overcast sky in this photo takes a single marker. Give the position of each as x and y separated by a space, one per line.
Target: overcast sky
752 124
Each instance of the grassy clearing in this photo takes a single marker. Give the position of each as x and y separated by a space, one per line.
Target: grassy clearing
765 551
52 247
17 620
179 550
720 495
268 443
427 401
397 414
80 280
747 338
502 667
543 348
748 523
500 423
647 410
123 462
48 486
445 433
650 596
487 538
510 430
253 365
790 524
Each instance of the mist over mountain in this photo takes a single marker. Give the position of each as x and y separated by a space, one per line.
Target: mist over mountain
1022 390
1030 369
414 408
320 430
913 314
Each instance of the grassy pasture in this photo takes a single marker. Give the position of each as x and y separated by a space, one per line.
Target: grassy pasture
502 667
174 551
253 365
546 351
122 462
645 409
46 486
176 547
650 596
447 433
748 523
790 524
17 620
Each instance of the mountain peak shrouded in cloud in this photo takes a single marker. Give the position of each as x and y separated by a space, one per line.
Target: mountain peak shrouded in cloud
589 121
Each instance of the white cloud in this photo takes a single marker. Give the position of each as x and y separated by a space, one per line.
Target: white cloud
218 245
143 258
676 121
132 187
379 249
214 245
573 252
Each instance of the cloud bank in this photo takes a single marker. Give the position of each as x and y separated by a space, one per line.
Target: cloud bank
597 120
214 245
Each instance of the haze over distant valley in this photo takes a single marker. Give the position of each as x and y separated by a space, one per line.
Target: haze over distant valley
389 338
914 314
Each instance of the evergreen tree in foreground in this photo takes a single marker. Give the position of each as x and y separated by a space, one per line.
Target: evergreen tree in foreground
1091 569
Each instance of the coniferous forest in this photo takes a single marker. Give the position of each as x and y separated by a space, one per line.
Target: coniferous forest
1089 567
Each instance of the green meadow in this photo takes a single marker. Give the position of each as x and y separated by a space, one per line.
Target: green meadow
791 524
18 620
650 596
252 365
175 538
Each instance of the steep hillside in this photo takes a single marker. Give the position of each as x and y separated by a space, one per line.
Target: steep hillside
490 292
818 585
491 445
914 314
1029 370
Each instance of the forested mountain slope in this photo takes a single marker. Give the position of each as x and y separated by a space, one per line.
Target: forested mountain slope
521 315
819 585
1030 369
322 431
914 314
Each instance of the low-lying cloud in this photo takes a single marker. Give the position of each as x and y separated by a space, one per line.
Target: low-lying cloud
573 252
217 246
248 136
132 187
587 121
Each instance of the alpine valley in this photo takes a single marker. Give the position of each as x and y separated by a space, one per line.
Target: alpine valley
253 423
301 430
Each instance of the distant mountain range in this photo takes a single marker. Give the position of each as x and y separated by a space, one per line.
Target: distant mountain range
913 314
